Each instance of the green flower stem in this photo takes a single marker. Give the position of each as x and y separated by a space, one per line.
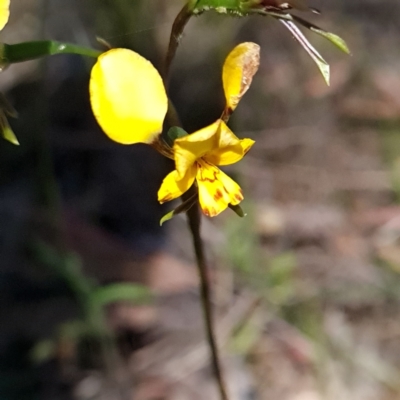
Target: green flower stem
194 221
14 53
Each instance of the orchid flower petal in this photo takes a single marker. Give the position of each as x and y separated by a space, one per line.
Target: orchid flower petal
238 71
173 187
216 189
190 148
230 148
128 97
4 12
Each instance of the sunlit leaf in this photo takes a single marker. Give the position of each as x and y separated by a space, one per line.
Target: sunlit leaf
335 39
318 59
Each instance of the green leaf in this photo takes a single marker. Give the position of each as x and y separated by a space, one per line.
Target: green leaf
237 210
9 135
318 59
335 39
117 292
175 133
14 53
5 129
185 206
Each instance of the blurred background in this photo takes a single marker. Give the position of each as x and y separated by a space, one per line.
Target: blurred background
98 302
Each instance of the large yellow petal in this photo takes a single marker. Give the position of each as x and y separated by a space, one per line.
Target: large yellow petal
230 148
238 71
128 97
190 148
173 187
216 189
4 12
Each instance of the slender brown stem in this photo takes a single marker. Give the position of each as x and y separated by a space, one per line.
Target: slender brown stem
176 33
194 218
194 221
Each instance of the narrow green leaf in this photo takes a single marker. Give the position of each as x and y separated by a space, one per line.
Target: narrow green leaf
167 217
5 129
237 210
185 206
14 53
9 135
117 292
333 38
318 59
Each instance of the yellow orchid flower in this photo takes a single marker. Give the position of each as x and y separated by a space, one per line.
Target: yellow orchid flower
196 157
129 102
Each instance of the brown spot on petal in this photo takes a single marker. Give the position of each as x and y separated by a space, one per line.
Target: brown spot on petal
239 196
218 195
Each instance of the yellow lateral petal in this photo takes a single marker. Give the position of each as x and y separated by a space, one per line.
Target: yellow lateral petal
216 189
230 148
4 12
238 71
128 97
190 148
172 187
